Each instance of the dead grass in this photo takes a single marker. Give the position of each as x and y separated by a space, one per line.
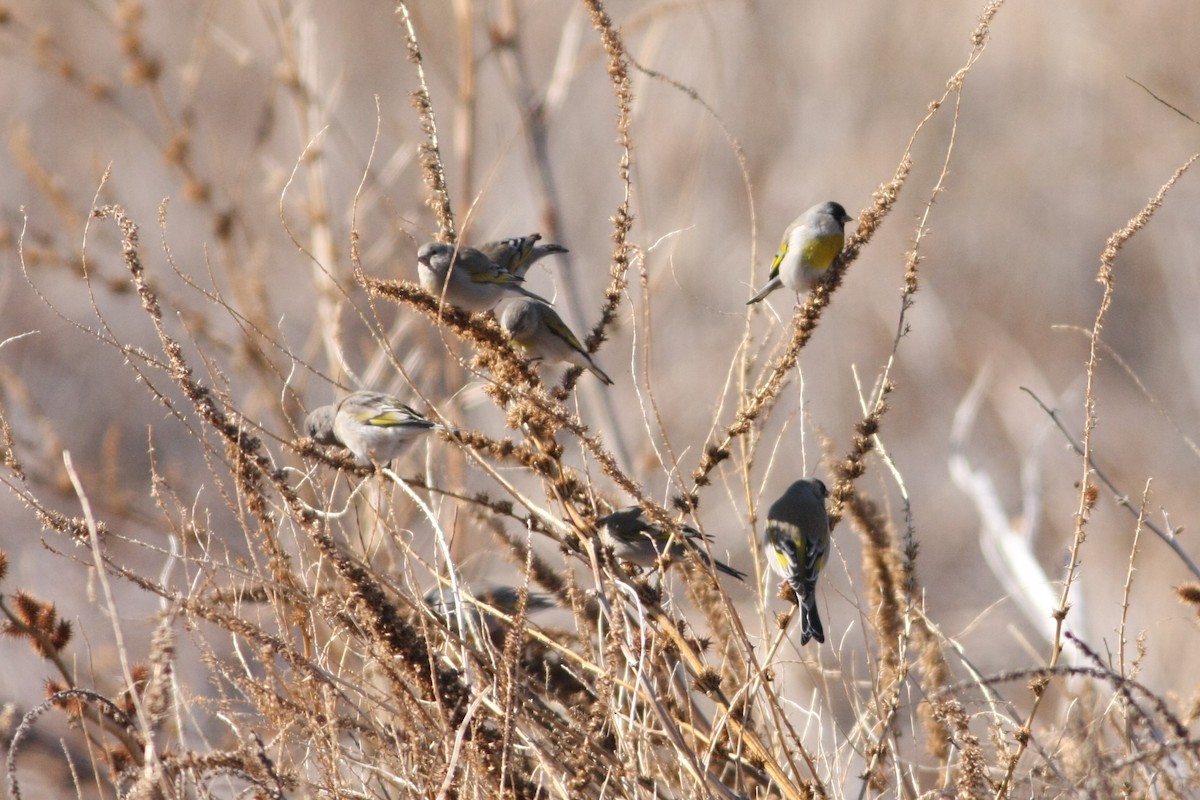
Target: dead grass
260 628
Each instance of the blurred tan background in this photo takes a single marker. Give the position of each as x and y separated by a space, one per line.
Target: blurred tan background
1054 149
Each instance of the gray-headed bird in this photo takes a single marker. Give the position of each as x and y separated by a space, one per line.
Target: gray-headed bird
518 254
505 599
634 538
810 244
375 427
538 332
465 277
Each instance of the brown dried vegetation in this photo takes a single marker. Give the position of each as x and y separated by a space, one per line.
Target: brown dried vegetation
265 627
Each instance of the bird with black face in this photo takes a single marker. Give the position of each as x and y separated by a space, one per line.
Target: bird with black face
810 245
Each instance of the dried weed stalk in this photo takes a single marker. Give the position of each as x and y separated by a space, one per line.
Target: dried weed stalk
294 581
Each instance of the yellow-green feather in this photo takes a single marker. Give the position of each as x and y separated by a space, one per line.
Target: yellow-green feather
561 330
822 250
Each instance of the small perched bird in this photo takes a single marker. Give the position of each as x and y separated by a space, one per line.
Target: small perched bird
445 603
518 254
375 427
539 331
810 244
798 546
633 537
466 278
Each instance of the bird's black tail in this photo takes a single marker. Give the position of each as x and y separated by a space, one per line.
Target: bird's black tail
810 620
696 548
728 570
